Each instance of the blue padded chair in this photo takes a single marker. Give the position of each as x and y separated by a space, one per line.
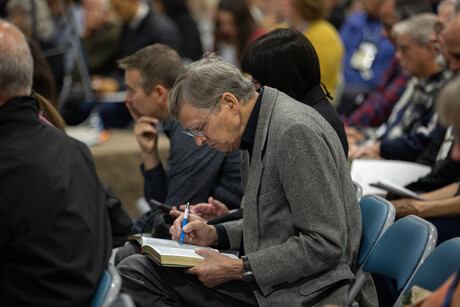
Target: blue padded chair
108 289
377 215
401 249
438 266
358 190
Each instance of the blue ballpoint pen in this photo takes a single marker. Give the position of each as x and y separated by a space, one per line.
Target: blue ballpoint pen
184 222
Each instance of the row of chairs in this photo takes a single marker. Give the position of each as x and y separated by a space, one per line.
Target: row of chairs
403 250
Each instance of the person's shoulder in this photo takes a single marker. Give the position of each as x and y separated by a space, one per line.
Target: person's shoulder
324 25
323 30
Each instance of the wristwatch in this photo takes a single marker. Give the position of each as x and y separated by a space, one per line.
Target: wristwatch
247 275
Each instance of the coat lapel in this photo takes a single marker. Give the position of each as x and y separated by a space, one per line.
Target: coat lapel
254 173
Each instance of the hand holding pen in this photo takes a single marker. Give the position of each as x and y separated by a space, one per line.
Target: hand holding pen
184 222
194 231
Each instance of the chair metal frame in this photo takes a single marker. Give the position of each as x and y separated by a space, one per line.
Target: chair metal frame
358 190
108 288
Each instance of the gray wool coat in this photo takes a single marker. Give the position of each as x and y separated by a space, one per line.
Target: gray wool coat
302 222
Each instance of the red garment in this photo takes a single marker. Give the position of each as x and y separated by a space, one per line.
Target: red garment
377 106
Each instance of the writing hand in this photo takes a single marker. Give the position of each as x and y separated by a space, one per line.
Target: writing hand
197 232
216 268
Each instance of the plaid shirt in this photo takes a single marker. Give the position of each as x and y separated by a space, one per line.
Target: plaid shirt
411 127
377 106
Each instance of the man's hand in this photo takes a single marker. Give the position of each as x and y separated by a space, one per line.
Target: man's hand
147 137
371 151
209 211
197 232
353 135
102 85
406 206
175 213
216 268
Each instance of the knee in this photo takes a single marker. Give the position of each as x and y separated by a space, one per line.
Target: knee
125 251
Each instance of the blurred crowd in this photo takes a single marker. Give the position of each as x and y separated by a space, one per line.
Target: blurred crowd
76 44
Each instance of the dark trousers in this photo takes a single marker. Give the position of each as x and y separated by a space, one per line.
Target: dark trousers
152 285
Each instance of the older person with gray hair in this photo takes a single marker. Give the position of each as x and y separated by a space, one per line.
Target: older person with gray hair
411 125
55 233
442 206
300 233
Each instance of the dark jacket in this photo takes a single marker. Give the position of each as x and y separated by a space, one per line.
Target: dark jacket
316 99
55 236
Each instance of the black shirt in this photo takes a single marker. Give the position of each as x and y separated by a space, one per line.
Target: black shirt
249 134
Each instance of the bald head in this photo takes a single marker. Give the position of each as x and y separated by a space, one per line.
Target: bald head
16 64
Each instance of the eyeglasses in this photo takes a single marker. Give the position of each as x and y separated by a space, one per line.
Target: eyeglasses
199 132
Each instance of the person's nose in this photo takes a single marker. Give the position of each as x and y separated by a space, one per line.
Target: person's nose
128 98
200 140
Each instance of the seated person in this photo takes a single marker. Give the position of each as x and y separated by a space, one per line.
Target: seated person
367 53
309 17
192 173
99 40
410 127
56 240
442 207
296 72
141 26
374 108
307 235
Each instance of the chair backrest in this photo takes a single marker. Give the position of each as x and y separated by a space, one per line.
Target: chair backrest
108 288
401 249
437 267
358 190
377 215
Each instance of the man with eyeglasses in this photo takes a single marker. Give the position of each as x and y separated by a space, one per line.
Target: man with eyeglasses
192 173
300 233
447 9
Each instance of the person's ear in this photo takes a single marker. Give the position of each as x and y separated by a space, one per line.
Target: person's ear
230 102
161 92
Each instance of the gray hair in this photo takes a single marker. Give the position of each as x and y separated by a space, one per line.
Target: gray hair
204 81
157 64
455 4
407 8
448 105
37 17
418 28
16 64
